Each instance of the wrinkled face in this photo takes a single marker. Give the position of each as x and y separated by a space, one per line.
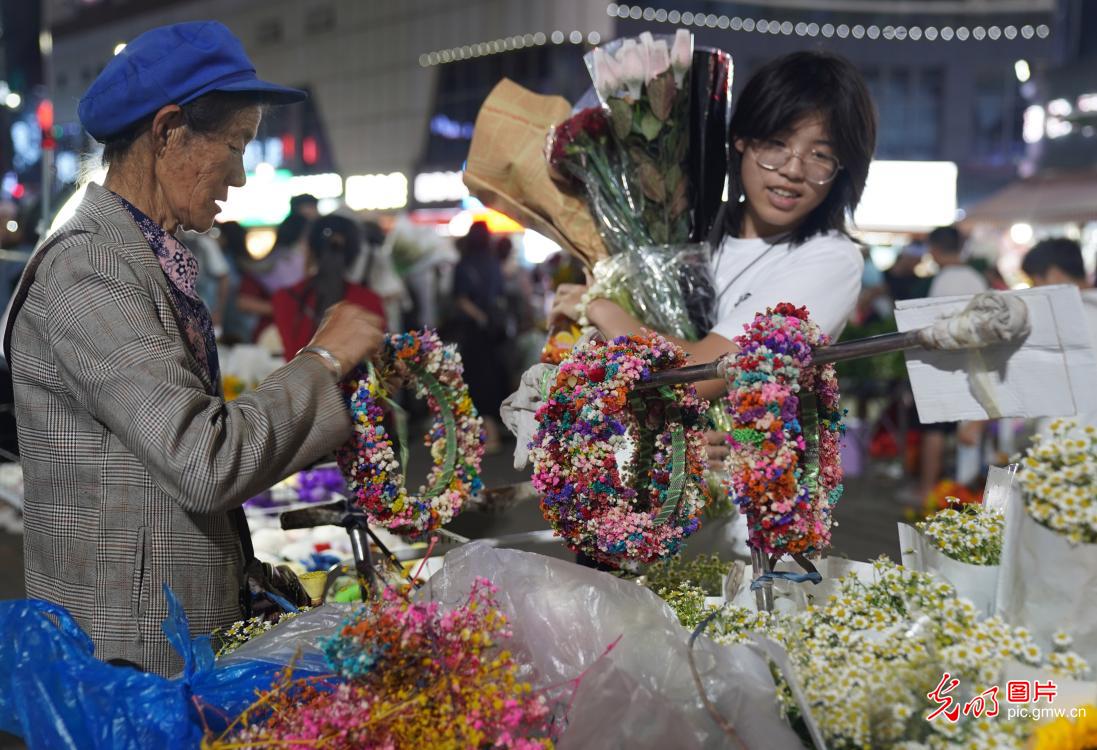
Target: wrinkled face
779 200
196 170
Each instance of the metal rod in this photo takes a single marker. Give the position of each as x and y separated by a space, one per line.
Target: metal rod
869 347
363 562
848 350
763 597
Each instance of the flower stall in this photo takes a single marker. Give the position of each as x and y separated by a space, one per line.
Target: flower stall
988 625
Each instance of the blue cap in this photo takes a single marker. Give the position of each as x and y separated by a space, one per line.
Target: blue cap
171 65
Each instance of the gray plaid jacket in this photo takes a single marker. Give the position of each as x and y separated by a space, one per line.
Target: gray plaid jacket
130 465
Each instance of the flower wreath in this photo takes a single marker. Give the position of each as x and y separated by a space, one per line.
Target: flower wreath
582 428
784 467
368 460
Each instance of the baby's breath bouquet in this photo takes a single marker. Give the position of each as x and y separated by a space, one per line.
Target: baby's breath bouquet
961 545
229 638
969 534
1049 557
867 659
1059 477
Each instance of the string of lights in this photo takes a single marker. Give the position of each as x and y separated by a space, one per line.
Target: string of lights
828 30
507 44
740 24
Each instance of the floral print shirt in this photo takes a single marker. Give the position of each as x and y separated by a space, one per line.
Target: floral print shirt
181 269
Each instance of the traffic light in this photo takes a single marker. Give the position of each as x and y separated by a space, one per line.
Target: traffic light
45 123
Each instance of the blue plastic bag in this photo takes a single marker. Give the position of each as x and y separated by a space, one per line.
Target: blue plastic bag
54 693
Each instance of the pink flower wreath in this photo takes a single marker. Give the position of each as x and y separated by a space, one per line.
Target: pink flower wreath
784 469
588 415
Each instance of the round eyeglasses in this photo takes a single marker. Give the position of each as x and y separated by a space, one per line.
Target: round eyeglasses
819 168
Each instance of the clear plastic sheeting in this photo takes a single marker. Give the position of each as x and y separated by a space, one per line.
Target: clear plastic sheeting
668 287
294 641
637 694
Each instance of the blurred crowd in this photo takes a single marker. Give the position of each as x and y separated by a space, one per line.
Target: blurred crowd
945 459
480 294
473 289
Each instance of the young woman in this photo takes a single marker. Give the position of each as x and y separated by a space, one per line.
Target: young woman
803 134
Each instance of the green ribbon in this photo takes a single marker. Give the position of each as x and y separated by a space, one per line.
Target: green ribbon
399 415
677 461
646 445
449 421
809 426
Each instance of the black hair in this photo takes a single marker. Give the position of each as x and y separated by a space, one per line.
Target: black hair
304 199
334 242
372 233
1057 252
783 92
946 239
477 242
209 113
373 237
233 239
291 230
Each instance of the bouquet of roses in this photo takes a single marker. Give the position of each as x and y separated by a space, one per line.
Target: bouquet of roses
630 158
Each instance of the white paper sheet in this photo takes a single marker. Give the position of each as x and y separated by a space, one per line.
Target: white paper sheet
1048 584
1051 373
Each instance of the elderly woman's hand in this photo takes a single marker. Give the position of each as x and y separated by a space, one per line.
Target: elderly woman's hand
351 333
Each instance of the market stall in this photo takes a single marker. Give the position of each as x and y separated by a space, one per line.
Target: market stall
415 636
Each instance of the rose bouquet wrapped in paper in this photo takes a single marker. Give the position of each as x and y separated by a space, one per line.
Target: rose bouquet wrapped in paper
631 159
1048 578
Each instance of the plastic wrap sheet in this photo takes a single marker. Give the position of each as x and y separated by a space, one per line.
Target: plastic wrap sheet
641 693
294 640
1048 584
668 287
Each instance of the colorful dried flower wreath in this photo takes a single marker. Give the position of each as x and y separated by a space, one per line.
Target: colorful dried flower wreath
784 468
592 415
456 439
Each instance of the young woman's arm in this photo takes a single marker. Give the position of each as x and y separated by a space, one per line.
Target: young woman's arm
612 321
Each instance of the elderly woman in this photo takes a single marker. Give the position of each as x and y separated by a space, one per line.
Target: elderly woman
135 466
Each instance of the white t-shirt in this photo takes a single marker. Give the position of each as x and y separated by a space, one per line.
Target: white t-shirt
822 274
957 281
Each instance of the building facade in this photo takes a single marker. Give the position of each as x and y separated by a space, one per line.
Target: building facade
396 85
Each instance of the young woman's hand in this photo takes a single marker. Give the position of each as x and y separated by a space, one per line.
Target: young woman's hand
717 449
